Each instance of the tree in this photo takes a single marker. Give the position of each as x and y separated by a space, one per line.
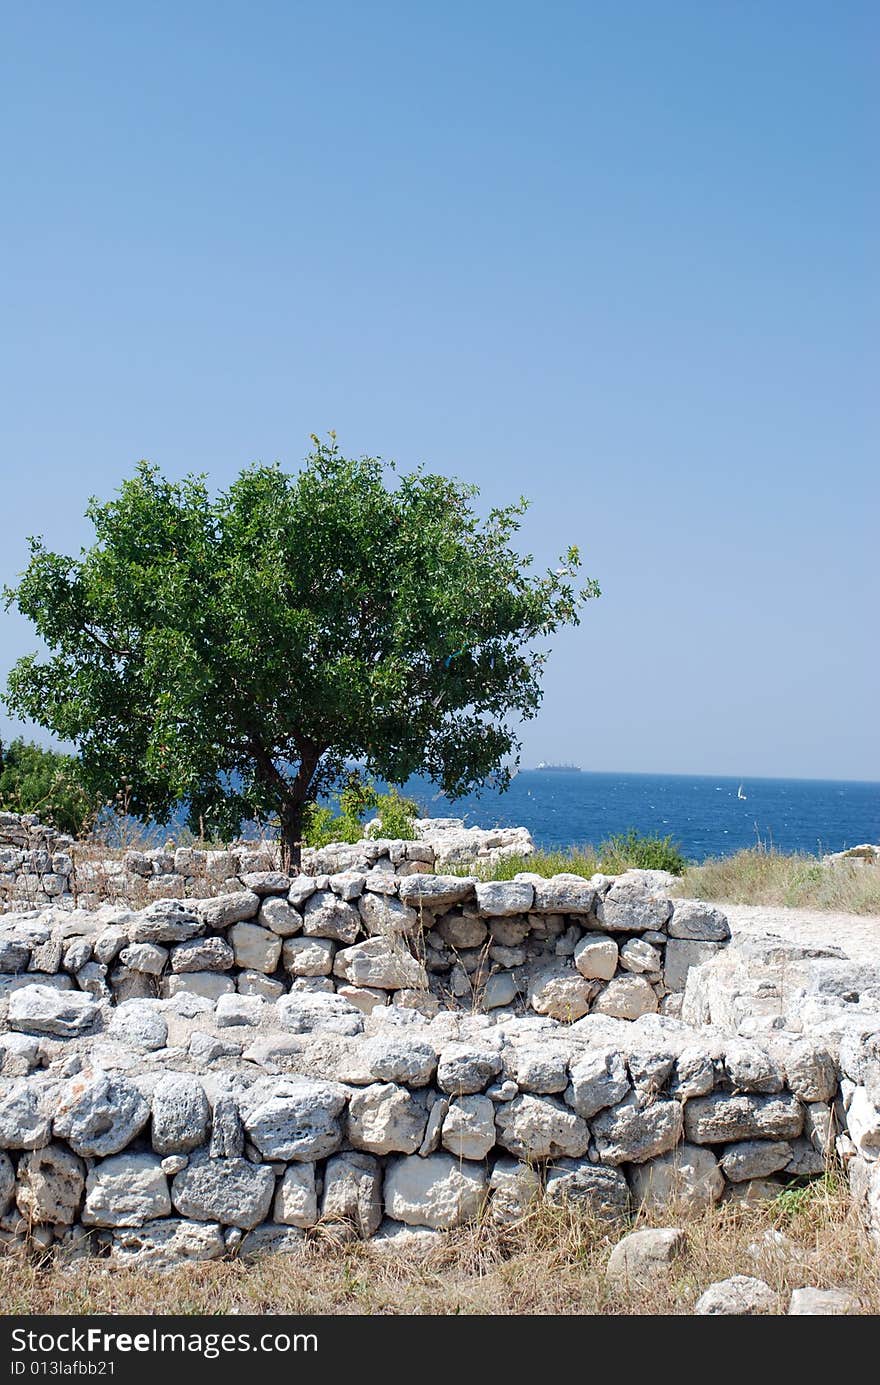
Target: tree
36 780
236 653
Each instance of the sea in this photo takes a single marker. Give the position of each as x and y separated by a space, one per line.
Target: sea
706 815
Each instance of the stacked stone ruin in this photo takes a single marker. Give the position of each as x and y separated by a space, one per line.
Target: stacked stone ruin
392 1051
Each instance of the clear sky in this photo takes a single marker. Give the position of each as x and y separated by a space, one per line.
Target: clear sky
617 257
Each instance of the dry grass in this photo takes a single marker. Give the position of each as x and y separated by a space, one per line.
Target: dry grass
554 1262
763 875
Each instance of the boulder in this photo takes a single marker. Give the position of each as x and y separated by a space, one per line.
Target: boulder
645 1257
627 998
435 891
603 1191
755 1159
41 1009
698 922
225 909
160 1245
327 1013
563 894
391 1058
255 948
386 914
308 956
180 1114
99 1113
296 1201
202 954
515 1187
294 1118
740 1295
208 984
687 1176
533 1127
561 993
632 1133
233 1192
721 1118
496 898
380 963
51 1181
327 916
631 907
165 921
280 917
438 1191
384 1118
598 1079
353 1192
25 1114
596 957
126 1190
681 955
812 1301
542 1068
465 1068
469 1127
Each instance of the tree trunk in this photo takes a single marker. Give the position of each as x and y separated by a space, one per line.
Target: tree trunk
291 817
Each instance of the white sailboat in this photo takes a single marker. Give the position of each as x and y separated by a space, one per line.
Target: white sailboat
740 794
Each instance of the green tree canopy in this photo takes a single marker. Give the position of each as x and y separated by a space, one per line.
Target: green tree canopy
36 780
236 652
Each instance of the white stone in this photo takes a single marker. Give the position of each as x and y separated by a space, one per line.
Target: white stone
126 1190
561 993
645 1257
211 985
326 916
308 956
42 1009
296 1201
596 956
533 1127
50 1185
598 1079
225 909
380 963
438 1191
202 954
294 1118
162 1244
687 1176
384 1118
499 897
391 1058
279 916
140 1024
99 1113
626 998
180 1114
740 1295
256 948
353 1192
699 922
632 1133
234 1192
812 1301
469 1128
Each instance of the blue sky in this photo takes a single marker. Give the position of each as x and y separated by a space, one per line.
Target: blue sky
614 257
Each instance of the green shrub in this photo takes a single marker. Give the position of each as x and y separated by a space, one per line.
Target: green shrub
45 782
396 817
321 825
631 851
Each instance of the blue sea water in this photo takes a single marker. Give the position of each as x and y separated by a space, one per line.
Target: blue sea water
702 813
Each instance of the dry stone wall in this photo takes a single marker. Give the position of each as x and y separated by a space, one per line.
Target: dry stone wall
391 1050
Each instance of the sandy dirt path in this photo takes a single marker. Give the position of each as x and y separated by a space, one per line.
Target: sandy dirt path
858 935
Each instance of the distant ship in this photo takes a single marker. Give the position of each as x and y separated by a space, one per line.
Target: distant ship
556 769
